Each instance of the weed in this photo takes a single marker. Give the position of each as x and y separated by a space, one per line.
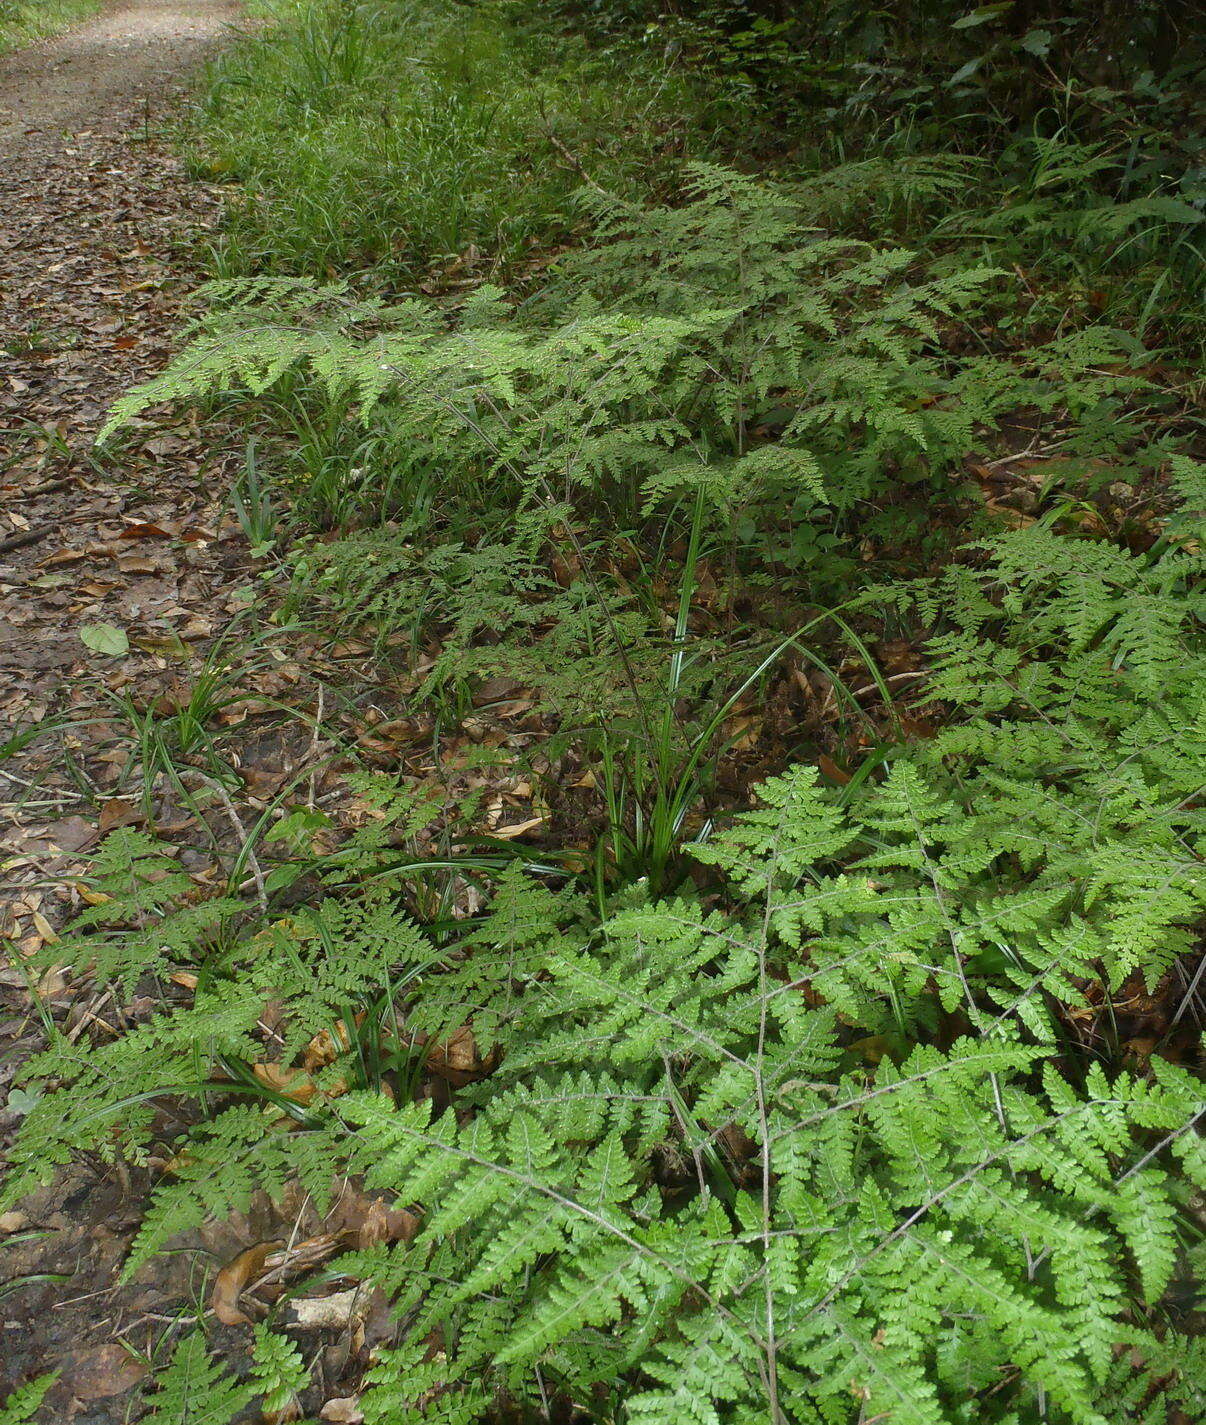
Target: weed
417 133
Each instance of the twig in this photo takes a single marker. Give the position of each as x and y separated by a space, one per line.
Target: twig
312 754
25 536
571 158
47 487
257 876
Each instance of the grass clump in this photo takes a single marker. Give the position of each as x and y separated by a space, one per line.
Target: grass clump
23 21
400 134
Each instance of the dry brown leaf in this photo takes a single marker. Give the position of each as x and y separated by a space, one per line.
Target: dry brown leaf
104 1371
73 833
385 1224
299 1257
233 1278
458 1052
322 1049
289 1083
116 812
519 828
285 1416
44 928
342 1410
831 770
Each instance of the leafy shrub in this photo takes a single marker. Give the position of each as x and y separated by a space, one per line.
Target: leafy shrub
712 1174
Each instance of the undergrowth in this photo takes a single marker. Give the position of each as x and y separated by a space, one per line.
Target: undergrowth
799 1090
22 21
418 133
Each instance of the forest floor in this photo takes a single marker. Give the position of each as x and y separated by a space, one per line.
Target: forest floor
240 639
91 287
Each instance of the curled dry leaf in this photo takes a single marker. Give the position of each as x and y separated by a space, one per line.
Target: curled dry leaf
325 1048
301 1256
455 1057
233 1278
385 1224
289 1083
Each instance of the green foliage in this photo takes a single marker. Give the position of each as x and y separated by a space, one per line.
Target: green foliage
720 353
720 1163
279 1371
193 1389
22 21
792 1126
684 1178
415 132
21 1406
722 346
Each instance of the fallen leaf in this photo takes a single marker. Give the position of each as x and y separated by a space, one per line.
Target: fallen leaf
116 812
170 646
105 638
233 1278
104 1371
457 1058
44 928
301 1256
831 770
385 1224
330 1313
342 1410
71 834
289 1083
91 897
323 1050
519 828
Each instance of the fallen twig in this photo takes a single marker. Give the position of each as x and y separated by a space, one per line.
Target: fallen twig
25 536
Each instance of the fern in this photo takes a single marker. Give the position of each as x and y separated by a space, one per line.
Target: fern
22 1405
798 1142
279 1371
193 1390
683 1177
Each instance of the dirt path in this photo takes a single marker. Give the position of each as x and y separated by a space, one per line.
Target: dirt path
92 208
101 72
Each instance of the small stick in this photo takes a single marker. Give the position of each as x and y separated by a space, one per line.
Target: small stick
253 865
46 488
25 536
